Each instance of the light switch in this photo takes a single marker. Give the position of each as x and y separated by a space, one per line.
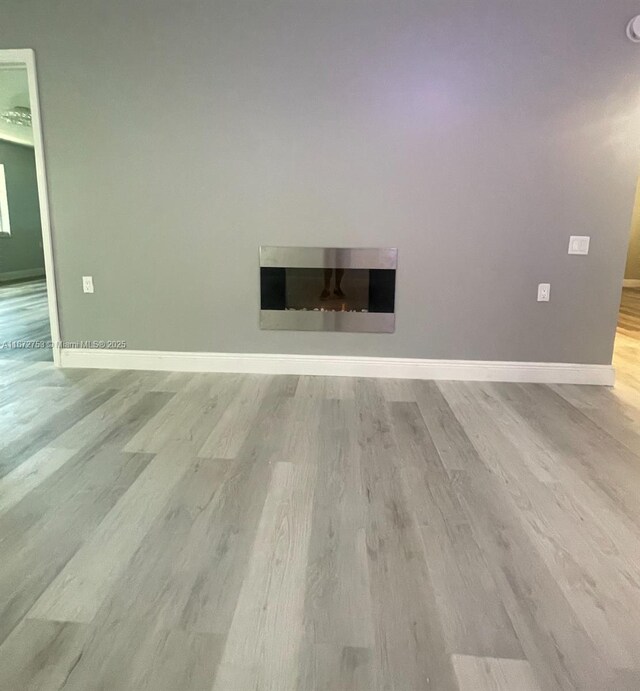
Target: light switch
87 284
579 244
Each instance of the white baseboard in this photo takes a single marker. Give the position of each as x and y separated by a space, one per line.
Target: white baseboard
21 275
342 366
631 283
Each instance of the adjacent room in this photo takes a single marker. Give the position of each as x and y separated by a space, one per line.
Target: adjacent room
24 312
627 346
319 345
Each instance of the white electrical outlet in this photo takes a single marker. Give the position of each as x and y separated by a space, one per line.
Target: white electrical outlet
544 292
579 244
87 284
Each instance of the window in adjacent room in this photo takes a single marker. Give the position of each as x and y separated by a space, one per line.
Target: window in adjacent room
5 225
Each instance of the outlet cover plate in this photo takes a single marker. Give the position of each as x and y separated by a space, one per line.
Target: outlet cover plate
544 292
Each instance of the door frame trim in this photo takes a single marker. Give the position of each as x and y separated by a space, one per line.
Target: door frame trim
26 56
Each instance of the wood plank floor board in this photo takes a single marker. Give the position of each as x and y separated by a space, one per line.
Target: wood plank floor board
125 655
81 587
577 440
231 430
130 421
17 421
28 475
331 667
176 381
45 375
15 371
33 558
615 534
99 420
490 674
594 581
560 651
404 608
101 469
398 390
608 409
93 432
20 449
453 445
546 626
190 416
302 415
338 604
231 527
474 620
340 388
137 380
261 650
40 655
160 660
189 568
158 581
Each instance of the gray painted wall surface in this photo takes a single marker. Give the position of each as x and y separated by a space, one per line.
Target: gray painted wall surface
474 135
23 250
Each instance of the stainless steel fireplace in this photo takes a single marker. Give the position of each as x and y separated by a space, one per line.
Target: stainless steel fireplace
328 289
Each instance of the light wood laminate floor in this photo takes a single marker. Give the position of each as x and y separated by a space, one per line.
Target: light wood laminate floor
627 350
24 321
187 532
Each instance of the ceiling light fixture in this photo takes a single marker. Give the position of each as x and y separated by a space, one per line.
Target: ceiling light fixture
18 115
633 29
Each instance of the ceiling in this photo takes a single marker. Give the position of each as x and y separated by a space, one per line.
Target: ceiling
14 91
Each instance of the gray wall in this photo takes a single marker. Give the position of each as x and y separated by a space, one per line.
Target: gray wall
23 250
474 135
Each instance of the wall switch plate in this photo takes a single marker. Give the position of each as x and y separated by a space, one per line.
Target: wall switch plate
544 292
87 284
579 244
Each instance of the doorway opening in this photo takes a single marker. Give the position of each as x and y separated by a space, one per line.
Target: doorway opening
29 327
626 357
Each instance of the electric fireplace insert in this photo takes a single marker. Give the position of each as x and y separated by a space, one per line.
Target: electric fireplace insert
328 289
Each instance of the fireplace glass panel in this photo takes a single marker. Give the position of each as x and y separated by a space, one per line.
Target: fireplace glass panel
336 292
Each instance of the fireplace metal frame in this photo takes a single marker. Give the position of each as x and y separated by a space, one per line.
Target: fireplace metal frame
325 258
